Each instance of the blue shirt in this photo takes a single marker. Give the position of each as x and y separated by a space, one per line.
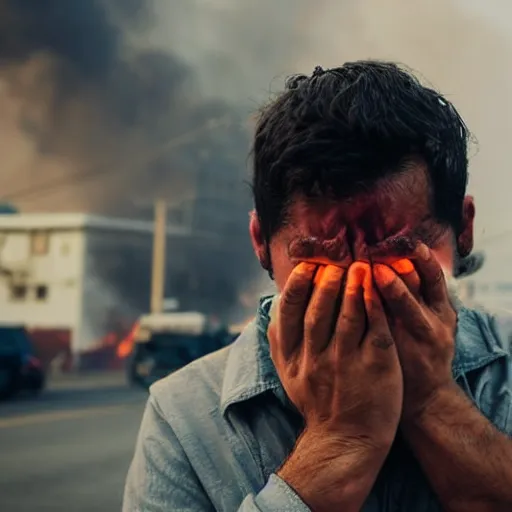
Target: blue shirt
215 432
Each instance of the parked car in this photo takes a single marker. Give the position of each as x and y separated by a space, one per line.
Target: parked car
166 342
20 370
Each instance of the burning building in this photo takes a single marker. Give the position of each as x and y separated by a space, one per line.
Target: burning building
78 282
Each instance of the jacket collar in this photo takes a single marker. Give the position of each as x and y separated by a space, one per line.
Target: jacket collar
478 341
250 371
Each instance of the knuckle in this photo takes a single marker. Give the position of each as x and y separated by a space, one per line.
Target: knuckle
378 365
400 297
382 340
347 322
293 369
294 295
438 276
318 370
374 310
312 321
310 318
347 326
447 336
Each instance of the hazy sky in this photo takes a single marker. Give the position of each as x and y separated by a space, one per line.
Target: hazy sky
462 47
242 49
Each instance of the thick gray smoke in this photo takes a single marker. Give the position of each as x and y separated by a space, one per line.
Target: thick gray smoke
96 119
106 85
243 49
82 102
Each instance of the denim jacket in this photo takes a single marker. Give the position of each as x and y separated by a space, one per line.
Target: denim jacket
214 433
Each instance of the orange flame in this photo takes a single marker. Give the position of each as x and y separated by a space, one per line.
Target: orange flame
125 347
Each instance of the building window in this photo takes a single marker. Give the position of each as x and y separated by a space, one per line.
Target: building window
40 242
18 292
41 292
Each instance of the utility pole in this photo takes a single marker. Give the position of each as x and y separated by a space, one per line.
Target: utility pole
158 268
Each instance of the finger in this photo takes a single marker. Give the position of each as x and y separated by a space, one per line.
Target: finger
398 299
378 345
292 307
318 275
405 269
379 335
320 313
433 283
351 323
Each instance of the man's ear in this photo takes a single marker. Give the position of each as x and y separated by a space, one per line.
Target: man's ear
259 243
465 238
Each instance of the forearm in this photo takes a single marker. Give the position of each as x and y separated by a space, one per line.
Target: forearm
332 474
466 459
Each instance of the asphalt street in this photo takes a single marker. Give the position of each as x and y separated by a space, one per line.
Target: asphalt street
69 448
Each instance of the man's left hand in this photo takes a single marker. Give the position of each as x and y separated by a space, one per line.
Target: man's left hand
423 323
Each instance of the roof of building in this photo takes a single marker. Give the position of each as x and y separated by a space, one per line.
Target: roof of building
66 221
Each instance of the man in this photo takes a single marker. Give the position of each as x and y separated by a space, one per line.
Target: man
360 387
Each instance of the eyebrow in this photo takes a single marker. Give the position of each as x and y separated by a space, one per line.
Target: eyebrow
401 244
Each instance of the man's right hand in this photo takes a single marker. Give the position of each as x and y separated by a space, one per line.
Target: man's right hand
340 368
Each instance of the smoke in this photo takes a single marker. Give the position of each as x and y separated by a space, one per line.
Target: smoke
80 102
462 48
241 50
93 93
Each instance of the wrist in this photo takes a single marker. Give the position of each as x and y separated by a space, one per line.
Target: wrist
332 472
438 402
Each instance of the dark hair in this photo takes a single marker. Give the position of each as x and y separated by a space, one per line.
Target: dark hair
341 130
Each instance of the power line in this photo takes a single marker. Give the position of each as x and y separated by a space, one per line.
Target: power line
78 177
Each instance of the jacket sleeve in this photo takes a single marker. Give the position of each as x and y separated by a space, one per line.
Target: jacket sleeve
277 495
161 478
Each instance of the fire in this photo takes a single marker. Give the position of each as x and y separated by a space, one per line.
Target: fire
125 347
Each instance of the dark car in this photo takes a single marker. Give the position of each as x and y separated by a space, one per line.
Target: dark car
20 370
160 351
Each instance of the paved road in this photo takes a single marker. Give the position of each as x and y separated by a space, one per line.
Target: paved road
69 449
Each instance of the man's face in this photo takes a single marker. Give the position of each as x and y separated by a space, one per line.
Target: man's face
380 225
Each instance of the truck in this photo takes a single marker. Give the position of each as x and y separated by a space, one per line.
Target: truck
165 342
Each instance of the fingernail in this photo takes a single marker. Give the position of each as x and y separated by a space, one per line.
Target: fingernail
423 252
383 275
403 266
356 275
305 269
